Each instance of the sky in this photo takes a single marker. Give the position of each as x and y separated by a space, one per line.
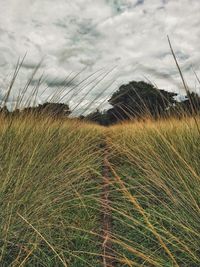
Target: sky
88 48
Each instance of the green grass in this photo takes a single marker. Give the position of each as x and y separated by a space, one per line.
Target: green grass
51 186
156 208
48 179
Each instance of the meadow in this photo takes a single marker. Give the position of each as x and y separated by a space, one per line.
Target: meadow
52 200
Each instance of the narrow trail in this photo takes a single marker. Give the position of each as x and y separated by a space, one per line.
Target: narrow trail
108 258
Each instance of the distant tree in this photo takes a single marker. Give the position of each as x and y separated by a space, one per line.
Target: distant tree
98 117
137 99
54 109
4 111
191 104
51 109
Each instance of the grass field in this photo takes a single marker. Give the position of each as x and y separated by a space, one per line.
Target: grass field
155 202
51 192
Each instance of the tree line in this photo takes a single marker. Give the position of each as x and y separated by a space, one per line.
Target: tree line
134 100
137 100
54 110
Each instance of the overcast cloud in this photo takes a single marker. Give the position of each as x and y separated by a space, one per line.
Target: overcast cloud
71 35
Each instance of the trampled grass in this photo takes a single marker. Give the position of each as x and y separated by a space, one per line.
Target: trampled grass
51 192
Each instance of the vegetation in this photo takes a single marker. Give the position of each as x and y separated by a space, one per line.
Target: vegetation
155 195
61 178
137 100
49 175
51 192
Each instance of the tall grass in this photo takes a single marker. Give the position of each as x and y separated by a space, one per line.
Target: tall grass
155 192
51 202
48 178
50 197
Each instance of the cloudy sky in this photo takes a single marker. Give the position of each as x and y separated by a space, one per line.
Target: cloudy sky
103 43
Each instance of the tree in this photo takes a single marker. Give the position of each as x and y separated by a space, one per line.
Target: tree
4 111
191 104
98 117
50 109
138 99
54 109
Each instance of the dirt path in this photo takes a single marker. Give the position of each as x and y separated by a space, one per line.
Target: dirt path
108 258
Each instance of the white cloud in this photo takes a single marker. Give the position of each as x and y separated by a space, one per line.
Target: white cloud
70 35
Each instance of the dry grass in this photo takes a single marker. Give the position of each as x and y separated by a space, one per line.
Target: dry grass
50 193
155 168
49 175
51 189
